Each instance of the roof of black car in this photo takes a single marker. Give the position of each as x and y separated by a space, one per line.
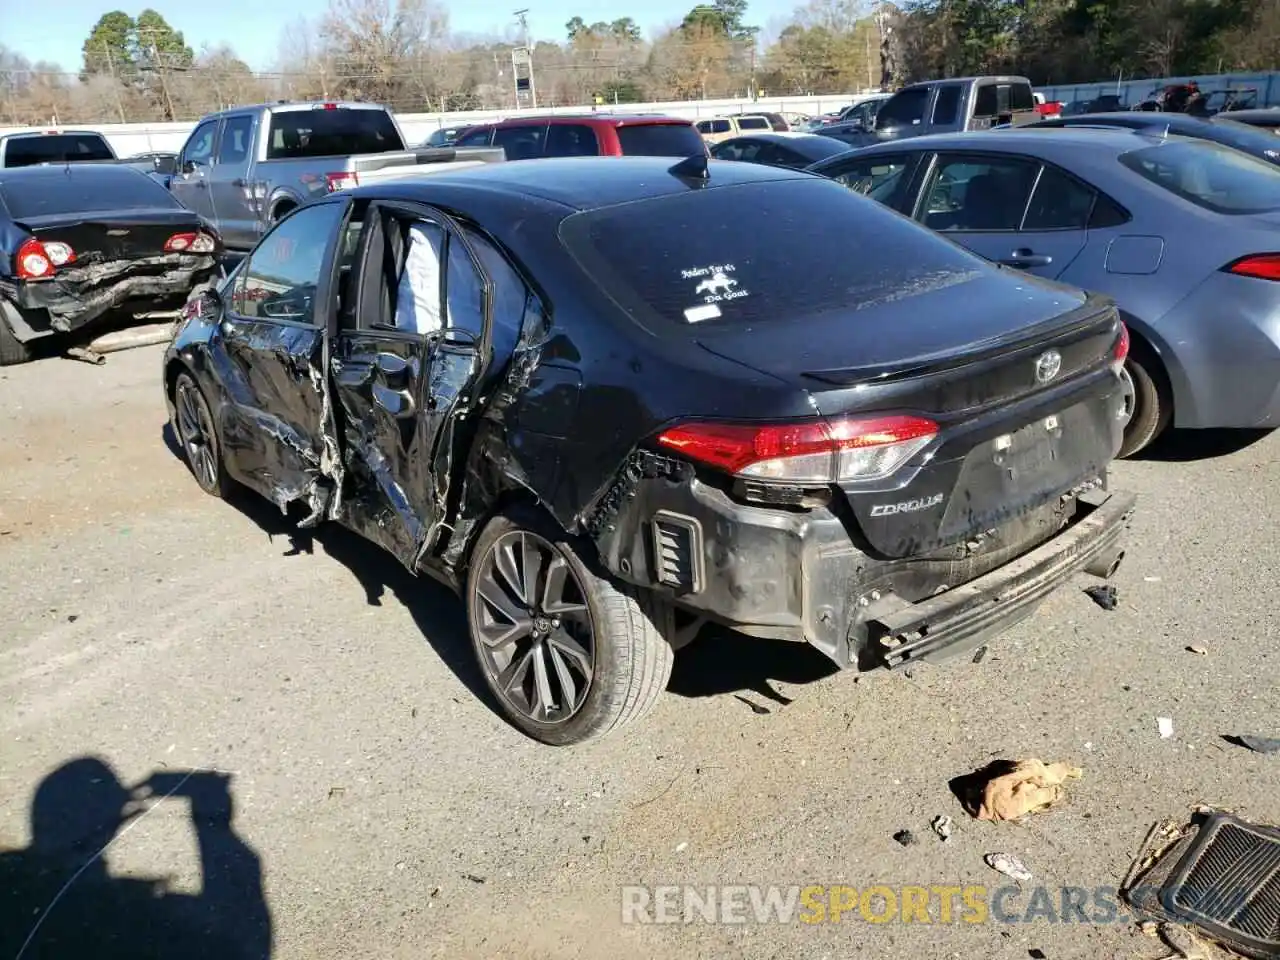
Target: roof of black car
51 174
582 183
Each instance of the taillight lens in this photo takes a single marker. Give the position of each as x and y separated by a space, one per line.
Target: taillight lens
341 181
190 243
1260 266
32 261
809 452
1120 352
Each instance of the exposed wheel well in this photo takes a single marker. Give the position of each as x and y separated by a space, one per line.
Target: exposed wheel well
171 372
281 208
513 498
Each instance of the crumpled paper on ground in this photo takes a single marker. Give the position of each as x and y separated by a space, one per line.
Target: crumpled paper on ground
1030 786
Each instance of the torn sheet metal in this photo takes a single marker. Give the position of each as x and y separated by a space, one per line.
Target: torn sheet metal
1221 876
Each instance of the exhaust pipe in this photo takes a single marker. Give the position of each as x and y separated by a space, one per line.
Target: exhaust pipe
1105 564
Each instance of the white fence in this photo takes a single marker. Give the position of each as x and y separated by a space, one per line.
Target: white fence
132 138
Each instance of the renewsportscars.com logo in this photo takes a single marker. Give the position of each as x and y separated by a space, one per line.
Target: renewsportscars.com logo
817 904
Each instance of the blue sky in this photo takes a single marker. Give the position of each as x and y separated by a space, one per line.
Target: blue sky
253 27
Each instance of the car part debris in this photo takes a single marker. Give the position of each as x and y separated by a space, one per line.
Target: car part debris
1009 865
1010 789
979 654
942 827
1217 875
1104 595
1165 726
905 837
85 354
1183 942
1198 650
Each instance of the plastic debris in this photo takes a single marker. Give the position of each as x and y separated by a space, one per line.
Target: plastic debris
1026 786
979 654
942 827
682 846
1104 595
905 837
1009 865
1259 744
1195 649
1165 726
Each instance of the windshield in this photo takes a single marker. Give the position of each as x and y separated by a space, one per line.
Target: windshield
51 191
342 132
660 140
55 148
780 251
1209 175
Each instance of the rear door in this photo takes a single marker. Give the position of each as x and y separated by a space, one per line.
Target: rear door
571 140
228 180
273 330
190 183
887 178
405 361
1009 208
521 141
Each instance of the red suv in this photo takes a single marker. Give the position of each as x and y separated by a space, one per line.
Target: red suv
588 135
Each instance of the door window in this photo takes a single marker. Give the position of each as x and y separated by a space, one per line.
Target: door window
464 292
1060 202
476 138
904 109
521 142
982 194
236 134
510 295
883 179
282 275
719 126
571 140
199 149
418 285
946 109
753 123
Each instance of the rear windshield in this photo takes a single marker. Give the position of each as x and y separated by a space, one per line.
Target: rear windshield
1209 175
660 140
59 190
781 251
331 133
55 148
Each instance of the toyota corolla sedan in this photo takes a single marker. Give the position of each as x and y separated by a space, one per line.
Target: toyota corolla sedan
1183 233
608 400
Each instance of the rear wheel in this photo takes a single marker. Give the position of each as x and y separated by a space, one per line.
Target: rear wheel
12 350
1146 405
199 437
568 654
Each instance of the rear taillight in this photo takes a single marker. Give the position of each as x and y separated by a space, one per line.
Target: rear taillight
1260 266
37 261
190 243
341 181
809 452
1120 352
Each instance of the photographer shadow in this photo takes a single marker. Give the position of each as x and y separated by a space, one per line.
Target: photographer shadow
58 900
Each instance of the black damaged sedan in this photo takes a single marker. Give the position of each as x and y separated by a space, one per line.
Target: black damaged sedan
610 400
79 241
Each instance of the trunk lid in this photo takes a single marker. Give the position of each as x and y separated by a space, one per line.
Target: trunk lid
112 235
1020 385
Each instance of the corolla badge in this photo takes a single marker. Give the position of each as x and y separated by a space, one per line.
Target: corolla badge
1048 365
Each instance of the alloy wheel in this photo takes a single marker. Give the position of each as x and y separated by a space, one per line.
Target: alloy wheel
195 430
1130 394
533 628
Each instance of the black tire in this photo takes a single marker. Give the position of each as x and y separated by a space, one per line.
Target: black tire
1151 407
12 350
630 653
197 435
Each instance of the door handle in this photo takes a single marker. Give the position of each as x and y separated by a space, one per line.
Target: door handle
1025 258
394 369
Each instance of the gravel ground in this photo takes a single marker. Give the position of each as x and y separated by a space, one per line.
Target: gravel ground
395 815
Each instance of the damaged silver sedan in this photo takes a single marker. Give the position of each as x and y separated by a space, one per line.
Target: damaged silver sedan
608 400
84 242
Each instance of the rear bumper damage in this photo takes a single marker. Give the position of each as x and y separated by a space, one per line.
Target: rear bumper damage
810 576
80 295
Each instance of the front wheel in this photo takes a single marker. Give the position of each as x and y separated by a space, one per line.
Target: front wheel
569 655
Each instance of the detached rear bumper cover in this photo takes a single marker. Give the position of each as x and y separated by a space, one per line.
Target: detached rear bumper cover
81 294
985 605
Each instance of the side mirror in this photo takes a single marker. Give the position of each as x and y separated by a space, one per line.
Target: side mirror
188 167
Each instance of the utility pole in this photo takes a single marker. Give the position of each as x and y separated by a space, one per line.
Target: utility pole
115 81
522 65
164 81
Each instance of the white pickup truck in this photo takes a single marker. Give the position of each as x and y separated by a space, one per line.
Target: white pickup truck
246 167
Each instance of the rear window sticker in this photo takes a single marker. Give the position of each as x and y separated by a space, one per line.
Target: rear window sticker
715 283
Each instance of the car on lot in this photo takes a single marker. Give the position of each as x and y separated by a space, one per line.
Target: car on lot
587 135
796 150
1182 233
33 147
1221 128
1266 118
608 400
81 241
717 129
445 136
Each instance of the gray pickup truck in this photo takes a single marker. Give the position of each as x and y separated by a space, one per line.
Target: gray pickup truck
944 106
245 168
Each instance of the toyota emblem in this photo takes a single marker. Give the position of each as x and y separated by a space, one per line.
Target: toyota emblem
1048 365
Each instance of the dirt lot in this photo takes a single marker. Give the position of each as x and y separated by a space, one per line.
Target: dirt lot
393 814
